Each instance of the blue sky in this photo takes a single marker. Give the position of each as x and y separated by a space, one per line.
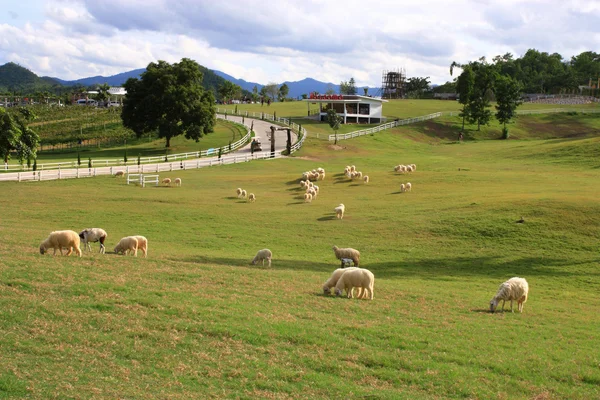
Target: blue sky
329 40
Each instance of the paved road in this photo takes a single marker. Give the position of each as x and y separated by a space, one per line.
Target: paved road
263 132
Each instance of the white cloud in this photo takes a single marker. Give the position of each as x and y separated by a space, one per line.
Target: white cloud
290 40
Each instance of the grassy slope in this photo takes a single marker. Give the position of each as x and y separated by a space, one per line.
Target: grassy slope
224 133
195 318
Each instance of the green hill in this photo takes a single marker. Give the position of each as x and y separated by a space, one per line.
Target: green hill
15 78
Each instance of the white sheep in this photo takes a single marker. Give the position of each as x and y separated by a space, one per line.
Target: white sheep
414 167
177 181
408 187
119 174
62 239
303 184
359 175
352 168
513 289
321 176
127 244
244 194
93 235
333 279
359 278
348 252
167 181
316 188
366 178
312 192
408 168
262 255
402 187
339 211
239 192
307 197
142 244
251 198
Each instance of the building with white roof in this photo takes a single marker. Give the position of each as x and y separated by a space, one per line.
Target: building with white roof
352 108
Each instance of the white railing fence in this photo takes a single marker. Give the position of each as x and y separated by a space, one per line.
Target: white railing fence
134 160
541 111
383 127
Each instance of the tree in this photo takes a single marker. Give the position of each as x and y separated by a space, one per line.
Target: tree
416 87
169 99
508 98
103 92
271 90
229 90
334 121
330 89
304 96
464 88
15 135
351 87
283 92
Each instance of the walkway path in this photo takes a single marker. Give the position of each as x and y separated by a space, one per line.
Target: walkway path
263 133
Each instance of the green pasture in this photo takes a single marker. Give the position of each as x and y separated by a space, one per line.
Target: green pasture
195 320
225 133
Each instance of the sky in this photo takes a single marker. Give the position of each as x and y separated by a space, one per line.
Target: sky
288 40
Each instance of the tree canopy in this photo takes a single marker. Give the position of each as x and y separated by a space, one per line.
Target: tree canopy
15 135
334 121
170 99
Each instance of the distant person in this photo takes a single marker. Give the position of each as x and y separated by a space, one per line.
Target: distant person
460 137
268 102
262 101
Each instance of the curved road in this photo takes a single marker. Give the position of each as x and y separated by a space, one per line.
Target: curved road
263 133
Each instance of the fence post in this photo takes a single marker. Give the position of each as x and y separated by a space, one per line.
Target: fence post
95 169
18 176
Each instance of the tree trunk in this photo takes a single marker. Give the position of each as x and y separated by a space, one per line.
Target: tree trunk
335 138
168 141
463 125
289 142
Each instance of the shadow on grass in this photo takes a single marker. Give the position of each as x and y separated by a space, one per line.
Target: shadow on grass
481 310
492 267
298 202
327 218
293 182
230 198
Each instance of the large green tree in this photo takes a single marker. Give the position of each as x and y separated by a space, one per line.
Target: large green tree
103 92
229 90
508 98
284 90
334 121
464 88
170 99
271 90
15 135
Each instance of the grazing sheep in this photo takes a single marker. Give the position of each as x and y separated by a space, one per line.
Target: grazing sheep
352 168
312 192
61 239
167 181
349 252
307 197
142 244
321 176
408 187
409 168
244 194
262 255
177 181
316 188
513 289
238 191
127 244
119 174
414 167
303 184
339 211
333 279
359 278
366 178
93 235
251 198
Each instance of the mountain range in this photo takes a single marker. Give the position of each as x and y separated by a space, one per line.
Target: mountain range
13 78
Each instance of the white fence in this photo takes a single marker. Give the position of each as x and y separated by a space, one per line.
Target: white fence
383 127
148 168
541 111
134 161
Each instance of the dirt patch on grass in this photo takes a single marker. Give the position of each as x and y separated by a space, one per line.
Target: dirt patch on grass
335 147
553 128
308 158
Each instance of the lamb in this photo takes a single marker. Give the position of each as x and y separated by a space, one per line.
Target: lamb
142 244
408 187
93 235
333 279
62 239
307 197
127 244
262 255
349 252
339 211
239 192
360 278
366 178
167 181
402 187
513 289
177 181
243 194
251 198
119 174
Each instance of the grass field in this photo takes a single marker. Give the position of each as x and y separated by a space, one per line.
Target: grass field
194 320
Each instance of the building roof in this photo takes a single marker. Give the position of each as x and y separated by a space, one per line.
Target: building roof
345 98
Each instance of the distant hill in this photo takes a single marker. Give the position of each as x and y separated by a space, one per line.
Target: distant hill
15 78
249 86
113 80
